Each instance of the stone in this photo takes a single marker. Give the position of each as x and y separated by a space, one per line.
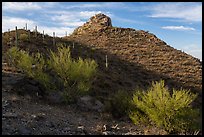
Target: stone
55 97
24 131
89 103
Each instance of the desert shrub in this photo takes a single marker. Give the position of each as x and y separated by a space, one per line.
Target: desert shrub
33 66
40 75
23 37
171 112
120 103
20 59
60 71
76 75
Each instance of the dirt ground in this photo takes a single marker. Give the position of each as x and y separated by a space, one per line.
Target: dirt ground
27 114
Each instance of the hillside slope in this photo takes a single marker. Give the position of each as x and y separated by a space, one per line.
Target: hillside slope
137 57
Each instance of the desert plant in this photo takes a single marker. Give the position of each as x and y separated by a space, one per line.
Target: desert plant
60 71
171 112
23 37
76 75
33 66
20 59
120 103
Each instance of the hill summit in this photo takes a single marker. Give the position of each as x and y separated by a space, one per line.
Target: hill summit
96 23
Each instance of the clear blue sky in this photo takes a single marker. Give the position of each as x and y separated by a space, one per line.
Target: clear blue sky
179 24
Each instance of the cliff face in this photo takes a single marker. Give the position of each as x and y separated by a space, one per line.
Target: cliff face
139 56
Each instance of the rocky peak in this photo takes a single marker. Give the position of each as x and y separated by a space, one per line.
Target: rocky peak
96 23
100 20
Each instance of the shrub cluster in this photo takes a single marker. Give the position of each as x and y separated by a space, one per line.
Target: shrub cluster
170 112
32 65
76 75
60 71
119 104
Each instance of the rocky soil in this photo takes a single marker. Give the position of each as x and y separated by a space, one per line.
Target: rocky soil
27 113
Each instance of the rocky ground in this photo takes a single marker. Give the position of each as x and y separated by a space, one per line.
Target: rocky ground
29 114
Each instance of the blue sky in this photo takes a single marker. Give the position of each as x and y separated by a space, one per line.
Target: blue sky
179 24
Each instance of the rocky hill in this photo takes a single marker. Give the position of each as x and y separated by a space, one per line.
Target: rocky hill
136 57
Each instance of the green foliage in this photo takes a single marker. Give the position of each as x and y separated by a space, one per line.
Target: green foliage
76 75
21 60
120 104
23 37
32 66
60 71
171 112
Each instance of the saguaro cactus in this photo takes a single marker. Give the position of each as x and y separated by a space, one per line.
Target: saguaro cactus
43 36
16 36
36 31
26 27
53 38
29 35
106 61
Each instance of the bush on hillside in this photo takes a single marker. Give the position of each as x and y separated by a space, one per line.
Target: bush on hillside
59 70
77 75
171 112
33 66
119 104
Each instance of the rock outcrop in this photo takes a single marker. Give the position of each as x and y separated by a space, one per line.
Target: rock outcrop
96 24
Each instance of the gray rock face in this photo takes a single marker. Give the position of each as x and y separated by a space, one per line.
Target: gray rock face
88 103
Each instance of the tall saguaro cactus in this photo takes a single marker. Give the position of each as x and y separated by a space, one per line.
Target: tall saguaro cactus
16 36
29 35
26 27
36 31
43 36
106 61
53 38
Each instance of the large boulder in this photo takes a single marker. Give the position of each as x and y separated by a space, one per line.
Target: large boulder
88 103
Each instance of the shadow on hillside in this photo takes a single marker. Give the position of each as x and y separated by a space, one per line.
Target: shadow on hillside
120 74
123 75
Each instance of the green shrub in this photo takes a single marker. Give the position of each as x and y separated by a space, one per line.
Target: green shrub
32 66
23 37
21 60
120 104
171 112
76 75
60 71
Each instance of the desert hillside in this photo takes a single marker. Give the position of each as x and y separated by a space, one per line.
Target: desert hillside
136 57
127 59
